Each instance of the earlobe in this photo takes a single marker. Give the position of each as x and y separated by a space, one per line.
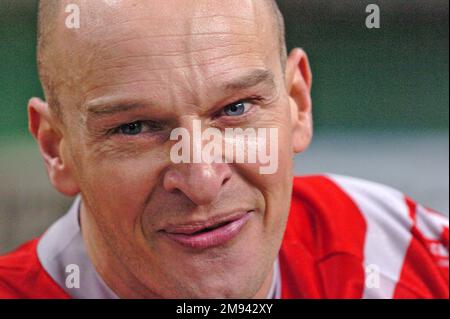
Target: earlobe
298 83
43 127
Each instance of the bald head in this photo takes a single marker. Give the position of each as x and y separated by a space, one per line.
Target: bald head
51 18
47 17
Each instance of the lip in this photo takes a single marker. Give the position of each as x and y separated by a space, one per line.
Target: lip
192 236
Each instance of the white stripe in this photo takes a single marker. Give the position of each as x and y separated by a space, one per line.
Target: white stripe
63 245
275 289
388 233
278 280
430 224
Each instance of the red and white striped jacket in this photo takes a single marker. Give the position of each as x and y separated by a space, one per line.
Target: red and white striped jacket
345 238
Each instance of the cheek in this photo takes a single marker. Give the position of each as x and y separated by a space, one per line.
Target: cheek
276 188
117 190
272 173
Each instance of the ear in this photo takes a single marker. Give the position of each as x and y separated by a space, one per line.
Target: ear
45 128
298 84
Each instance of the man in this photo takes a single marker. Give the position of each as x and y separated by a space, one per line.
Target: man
144 226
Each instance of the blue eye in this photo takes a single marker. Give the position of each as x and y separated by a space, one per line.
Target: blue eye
131 128
235 109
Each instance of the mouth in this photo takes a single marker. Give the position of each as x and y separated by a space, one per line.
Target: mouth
209 234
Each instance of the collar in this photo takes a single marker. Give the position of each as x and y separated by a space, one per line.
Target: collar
62 245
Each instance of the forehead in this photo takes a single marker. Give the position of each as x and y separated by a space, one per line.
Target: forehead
137 45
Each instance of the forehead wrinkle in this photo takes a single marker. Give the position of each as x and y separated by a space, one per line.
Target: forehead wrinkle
196 47
192 64
172 54
185 41
151 55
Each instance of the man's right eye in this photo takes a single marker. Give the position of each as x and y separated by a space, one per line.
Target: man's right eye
133 128
138 127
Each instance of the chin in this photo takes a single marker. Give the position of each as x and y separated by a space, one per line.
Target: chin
222 291
221 284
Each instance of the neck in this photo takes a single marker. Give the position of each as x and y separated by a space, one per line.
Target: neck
107 264
266 287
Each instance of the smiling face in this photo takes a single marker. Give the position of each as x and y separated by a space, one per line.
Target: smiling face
138 70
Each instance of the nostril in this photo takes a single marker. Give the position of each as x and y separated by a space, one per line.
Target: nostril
199 182
225 173
176 191
225 180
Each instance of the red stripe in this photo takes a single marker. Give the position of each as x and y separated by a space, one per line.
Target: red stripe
322 251
22 276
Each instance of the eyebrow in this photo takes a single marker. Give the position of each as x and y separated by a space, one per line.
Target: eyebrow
99 108
253 78
110 108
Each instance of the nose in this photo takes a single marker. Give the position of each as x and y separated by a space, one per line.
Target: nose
200 182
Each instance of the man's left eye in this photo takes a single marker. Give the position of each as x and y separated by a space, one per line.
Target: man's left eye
236 109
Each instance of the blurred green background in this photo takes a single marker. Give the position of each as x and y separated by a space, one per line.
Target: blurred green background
395 77
380 98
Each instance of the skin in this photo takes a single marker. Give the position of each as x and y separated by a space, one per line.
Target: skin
173 59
